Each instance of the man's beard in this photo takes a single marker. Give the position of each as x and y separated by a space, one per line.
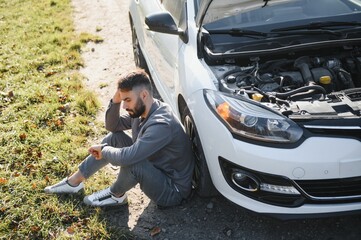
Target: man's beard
138 110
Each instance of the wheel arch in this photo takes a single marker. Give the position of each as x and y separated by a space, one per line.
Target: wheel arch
203 183
182 106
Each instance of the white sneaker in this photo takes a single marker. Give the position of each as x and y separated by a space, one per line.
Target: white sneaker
63 187
105 198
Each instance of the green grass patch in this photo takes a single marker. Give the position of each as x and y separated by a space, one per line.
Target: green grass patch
46 121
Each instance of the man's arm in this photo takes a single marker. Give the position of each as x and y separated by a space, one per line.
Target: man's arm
154 138
113 121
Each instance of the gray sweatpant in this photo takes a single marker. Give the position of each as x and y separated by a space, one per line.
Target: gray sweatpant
153 182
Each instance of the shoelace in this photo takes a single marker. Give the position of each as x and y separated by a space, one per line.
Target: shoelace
101 194
61 183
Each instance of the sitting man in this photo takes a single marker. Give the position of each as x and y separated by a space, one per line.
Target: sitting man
158 157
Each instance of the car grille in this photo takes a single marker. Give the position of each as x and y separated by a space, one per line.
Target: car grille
332 189
340 132
331 126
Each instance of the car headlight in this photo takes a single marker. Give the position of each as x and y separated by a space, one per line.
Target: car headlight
251 120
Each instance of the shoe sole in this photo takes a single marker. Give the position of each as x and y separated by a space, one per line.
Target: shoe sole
80 192
109 205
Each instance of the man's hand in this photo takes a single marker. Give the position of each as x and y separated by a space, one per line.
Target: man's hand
96 151
117 98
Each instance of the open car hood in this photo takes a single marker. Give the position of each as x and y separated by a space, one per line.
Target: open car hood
240 29
203 6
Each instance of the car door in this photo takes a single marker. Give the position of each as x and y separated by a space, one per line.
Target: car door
140 9
162 50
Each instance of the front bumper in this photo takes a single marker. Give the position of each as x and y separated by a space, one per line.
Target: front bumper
285 192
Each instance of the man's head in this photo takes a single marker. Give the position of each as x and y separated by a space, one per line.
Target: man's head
135 79
137 93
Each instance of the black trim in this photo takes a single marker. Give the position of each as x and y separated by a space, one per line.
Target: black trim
105 197
277 199
327 191
280 50
287 217
328 127
341 189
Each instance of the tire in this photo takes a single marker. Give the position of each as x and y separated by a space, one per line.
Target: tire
137 51
202 181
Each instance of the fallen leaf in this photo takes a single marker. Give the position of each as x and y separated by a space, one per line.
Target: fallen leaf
3 181
70 230
155 231
58 122
11 94
22 136
35 228
29 166
48 74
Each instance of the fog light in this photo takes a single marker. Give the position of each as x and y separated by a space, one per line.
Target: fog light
279 189
245 181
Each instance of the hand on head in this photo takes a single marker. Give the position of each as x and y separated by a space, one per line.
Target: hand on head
117 98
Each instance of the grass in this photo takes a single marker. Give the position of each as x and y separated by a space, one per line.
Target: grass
46 120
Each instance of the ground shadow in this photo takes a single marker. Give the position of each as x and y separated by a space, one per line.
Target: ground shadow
217 218
116 219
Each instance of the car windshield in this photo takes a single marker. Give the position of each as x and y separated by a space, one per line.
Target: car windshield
234 26
248 13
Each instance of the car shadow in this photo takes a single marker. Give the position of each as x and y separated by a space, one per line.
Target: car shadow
217 218
116 219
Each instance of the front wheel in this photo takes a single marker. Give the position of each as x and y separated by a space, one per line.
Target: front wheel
137 51
202 181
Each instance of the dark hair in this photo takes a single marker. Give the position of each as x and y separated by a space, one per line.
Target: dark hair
137 78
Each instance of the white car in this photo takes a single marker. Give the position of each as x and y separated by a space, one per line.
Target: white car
270 94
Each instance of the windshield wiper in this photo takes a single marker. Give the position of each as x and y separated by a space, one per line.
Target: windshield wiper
307 32
317 25
238 32
273 33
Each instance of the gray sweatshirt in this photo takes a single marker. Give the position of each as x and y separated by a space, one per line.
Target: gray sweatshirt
159 138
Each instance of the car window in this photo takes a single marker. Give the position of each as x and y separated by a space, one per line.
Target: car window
174 7
255 13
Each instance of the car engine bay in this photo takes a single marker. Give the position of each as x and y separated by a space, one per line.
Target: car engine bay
315 85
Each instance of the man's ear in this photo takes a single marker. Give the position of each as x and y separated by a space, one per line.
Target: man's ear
144 94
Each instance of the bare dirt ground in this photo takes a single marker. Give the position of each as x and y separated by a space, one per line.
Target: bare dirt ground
199 218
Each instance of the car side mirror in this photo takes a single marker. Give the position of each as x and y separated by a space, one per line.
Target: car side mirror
163 22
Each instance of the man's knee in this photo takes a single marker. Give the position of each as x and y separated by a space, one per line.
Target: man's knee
117 139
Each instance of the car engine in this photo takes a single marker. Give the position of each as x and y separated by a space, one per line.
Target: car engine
307 86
